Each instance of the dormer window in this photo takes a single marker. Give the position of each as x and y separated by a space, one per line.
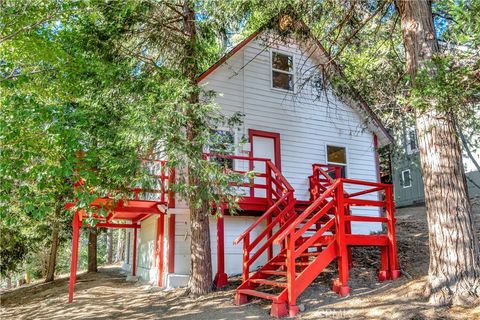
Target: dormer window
282 71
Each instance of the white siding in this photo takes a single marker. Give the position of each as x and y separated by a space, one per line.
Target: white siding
306 120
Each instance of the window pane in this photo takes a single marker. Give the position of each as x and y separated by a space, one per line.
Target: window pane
282 80
336 154
407 179
282 62
413 140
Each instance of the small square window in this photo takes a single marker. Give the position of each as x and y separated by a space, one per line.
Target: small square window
337 156
282 71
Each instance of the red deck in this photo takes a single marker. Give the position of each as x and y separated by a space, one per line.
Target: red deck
310 234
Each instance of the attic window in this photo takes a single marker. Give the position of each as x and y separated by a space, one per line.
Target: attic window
282 71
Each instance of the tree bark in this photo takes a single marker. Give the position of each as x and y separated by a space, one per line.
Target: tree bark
92 250
109 245
201 281
454 270
52 260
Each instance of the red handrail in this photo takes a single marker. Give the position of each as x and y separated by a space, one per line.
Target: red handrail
306 213
261 219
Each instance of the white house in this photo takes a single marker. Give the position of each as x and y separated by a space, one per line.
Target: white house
274 81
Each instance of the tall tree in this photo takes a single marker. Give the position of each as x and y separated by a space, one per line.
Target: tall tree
454 272
201 263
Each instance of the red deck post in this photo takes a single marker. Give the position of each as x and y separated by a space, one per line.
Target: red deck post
246 257
268 192
160 247
134 264
394 270
171 244
221 277
291 272
74 261
341 286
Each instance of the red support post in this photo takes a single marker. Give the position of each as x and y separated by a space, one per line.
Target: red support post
171 244
221 277
394 269
160 247
341 286
134 260
74 261
291 273
268 192
246 257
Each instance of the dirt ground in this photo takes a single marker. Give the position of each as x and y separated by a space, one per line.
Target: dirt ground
106 295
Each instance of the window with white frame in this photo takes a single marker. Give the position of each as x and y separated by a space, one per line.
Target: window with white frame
283 71
412 146
338 156
406 178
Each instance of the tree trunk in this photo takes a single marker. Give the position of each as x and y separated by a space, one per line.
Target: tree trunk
109 245
92 250
454 271
52 259
201 281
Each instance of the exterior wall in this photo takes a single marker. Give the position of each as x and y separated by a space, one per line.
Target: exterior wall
406 196
233 226
147 269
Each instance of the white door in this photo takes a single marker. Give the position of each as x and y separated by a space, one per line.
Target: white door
262 147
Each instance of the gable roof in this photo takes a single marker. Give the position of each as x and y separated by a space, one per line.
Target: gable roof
358 103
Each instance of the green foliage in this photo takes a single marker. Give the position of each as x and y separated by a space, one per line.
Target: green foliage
13 248
445 84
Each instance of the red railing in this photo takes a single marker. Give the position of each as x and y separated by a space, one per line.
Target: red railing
162 178
323 175
330 213
280 213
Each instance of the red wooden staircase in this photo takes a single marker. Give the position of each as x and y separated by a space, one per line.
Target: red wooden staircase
301 238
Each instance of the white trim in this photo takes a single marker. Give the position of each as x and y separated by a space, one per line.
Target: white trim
293 72
337 163
403 179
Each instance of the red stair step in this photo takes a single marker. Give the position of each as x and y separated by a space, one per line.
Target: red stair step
306 254
255 293
269 282
282 263
276 273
